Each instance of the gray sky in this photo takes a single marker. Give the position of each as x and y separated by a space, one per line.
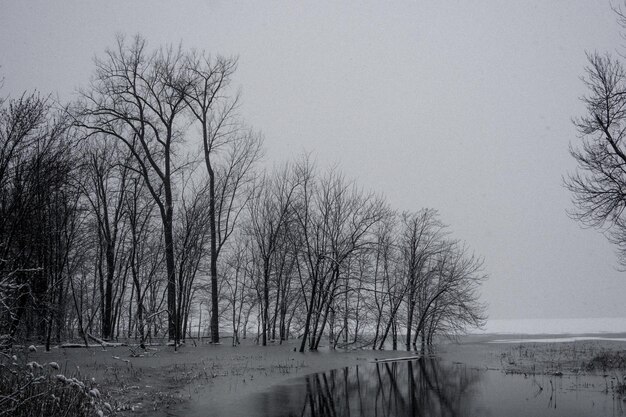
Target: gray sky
464 106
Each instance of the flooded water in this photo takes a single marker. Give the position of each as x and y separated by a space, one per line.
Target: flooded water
431 387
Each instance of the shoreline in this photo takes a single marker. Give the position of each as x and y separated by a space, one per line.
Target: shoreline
196 379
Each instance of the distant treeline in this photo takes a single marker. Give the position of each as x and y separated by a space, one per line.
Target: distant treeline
141 210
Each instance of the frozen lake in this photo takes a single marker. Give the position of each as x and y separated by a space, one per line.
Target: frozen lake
558 339
555 326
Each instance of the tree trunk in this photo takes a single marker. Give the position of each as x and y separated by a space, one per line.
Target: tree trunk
266 299
307 323
107 320
215 332
276 305
410 313
170 264
394 335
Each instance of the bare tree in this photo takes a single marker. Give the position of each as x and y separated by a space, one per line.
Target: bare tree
37 210
238 272
599 183
138 98
381 286
421 241
334 220
192 234
230 151
270 211
105 188
449 298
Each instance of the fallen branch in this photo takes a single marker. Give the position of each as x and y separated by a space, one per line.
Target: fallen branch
77 345
102 342
405 358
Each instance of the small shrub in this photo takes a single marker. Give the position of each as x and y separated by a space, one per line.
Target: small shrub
33 389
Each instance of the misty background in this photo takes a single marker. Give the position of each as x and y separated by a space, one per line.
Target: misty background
464 107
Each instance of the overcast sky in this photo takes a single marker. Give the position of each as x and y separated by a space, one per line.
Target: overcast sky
463 106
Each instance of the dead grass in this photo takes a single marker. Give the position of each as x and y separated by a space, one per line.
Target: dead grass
592 365
560 358
606 361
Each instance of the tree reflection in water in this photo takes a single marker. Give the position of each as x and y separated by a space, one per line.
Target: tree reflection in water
431 387
425 387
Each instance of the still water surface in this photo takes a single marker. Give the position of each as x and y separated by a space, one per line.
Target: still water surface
431 387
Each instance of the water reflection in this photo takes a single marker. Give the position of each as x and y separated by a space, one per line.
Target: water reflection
429 387
412 388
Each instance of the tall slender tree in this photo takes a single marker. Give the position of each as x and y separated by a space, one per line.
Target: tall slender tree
230 151
137 96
